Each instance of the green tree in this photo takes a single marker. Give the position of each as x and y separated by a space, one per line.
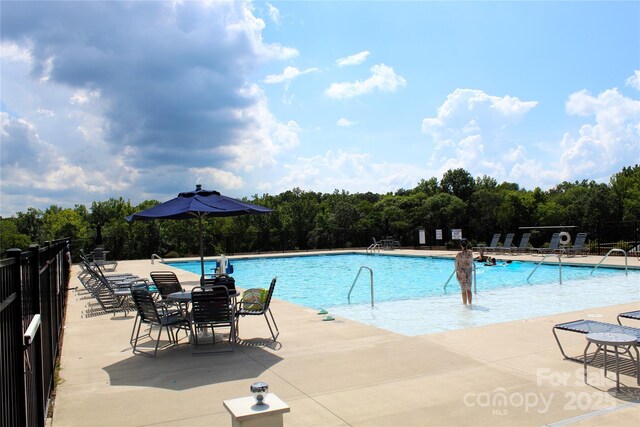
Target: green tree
445 211
58 223
11 237
30 223
459 183
625 187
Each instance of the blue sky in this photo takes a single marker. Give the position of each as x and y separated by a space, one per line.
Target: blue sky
143 100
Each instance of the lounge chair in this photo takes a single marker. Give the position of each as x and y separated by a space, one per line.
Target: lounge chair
112 297
590 326
100 259
507 245
522 246
553 245
258 308
578 246
492 246
635 315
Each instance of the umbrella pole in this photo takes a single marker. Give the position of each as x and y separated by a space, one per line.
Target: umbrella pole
201 249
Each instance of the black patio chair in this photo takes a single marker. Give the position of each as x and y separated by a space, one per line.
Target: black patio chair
166 281
211 308
154 316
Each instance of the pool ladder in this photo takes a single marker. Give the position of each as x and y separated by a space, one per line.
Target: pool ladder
475 290
373 247
356 279
156 256
626 264
542 260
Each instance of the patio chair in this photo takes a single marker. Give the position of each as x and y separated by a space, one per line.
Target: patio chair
492 246
589 326
259 308
100 258
635 315
211 308
166 281
150 315
553 245
578 246
522 246
507 245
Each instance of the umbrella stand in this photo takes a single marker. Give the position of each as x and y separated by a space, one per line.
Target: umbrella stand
201 248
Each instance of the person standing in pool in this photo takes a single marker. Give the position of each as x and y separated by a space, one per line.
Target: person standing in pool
464 270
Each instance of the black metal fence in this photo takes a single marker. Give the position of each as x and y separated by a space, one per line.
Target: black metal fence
33 290
617 235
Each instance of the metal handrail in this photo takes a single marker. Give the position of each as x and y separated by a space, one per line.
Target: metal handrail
373 247
626 265
356 279
542 260
475 280
155 256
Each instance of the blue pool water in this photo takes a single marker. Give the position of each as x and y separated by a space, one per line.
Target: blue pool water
416 285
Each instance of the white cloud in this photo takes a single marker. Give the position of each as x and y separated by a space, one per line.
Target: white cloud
345 123
82 96
216 178
15 52
343 170
36 173
602 147
383 78
262 139
471 131
137 113
356 59
288 75
634 80
274 13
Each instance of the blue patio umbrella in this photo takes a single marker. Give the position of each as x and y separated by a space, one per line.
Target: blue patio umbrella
199 204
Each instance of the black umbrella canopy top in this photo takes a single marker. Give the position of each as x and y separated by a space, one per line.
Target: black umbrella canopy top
199 203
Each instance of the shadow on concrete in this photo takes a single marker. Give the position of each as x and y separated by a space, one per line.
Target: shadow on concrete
176 368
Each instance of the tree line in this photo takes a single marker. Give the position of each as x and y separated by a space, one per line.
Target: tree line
305 220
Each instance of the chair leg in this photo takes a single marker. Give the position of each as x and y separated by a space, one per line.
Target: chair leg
135 342
135 323
158 341
275 336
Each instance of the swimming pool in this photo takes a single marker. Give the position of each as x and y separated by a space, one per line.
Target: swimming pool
409 291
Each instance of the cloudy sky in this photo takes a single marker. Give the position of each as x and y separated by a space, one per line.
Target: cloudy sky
142 100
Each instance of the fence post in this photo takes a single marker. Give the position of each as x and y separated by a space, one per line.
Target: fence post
12 385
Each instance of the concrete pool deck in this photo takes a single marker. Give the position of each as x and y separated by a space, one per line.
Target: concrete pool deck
342 373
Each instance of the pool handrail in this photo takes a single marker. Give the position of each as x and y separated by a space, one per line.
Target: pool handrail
356 279
475 281
542 260
626 264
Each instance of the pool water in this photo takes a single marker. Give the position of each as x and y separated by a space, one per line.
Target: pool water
410 295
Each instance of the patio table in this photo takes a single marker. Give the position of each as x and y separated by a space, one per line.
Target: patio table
184 297
615 340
